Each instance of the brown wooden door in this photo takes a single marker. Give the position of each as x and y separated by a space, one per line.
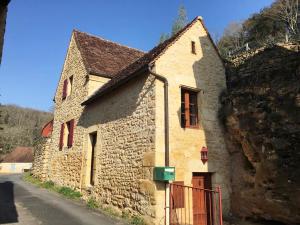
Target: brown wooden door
200 212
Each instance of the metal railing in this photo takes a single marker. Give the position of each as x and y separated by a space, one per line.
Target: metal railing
197 206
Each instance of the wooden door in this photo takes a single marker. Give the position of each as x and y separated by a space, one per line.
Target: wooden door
200 201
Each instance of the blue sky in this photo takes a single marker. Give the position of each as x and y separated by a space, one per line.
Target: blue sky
38 33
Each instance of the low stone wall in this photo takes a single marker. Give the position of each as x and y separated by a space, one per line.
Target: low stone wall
41 159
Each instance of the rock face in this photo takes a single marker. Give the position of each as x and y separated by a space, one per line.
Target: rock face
261 113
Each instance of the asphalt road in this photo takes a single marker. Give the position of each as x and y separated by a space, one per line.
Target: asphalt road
24 204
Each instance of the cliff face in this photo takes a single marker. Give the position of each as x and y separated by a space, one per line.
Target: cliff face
261 113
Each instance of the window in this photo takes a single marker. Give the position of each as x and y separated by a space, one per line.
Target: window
66 134
193 46
70 89
67 87
177 194
189 109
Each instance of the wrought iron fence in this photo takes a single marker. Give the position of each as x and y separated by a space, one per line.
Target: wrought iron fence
197 206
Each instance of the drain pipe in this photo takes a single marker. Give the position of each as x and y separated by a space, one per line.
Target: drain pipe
167 155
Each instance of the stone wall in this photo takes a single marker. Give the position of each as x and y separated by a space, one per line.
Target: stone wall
65 164
125 126
41 159
261 114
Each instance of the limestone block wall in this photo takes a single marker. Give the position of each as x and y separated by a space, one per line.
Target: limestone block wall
65 164
41 160
125 126
203 71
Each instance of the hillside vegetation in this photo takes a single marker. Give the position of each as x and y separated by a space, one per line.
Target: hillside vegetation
280 22
20 126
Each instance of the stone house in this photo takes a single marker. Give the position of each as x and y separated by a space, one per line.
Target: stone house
121 112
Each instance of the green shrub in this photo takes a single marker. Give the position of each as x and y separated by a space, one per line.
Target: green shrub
136 220
69 192
92 203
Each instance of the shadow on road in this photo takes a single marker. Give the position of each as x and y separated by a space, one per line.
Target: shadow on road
8 212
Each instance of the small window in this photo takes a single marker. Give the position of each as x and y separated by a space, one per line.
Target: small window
189 109
70 86
67 87
193 46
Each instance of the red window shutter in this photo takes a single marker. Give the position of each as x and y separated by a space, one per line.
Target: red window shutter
61 139
187 108
71 133
177 197
65 88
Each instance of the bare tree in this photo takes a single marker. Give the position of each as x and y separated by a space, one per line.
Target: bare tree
235 31
286 11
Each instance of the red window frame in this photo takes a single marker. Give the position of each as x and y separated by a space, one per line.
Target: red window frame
189 108
70 126
61 138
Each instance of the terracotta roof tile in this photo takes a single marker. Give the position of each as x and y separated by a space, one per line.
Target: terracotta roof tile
19 154
141 64
102 57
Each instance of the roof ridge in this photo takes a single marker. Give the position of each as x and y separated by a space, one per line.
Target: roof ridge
170 39
103 39
124 74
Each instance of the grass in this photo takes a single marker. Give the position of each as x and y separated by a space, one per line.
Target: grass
50 185
69 192
27 177
136 220
91 202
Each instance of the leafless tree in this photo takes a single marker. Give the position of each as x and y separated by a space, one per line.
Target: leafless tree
286 11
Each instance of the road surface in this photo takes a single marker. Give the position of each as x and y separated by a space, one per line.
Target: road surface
24 204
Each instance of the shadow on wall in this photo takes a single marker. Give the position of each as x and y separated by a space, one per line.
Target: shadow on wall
8 212
117 104
212 81
210 78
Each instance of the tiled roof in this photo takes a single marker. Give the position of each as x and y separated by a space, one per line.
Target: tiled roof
102 57
141 64
19 154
